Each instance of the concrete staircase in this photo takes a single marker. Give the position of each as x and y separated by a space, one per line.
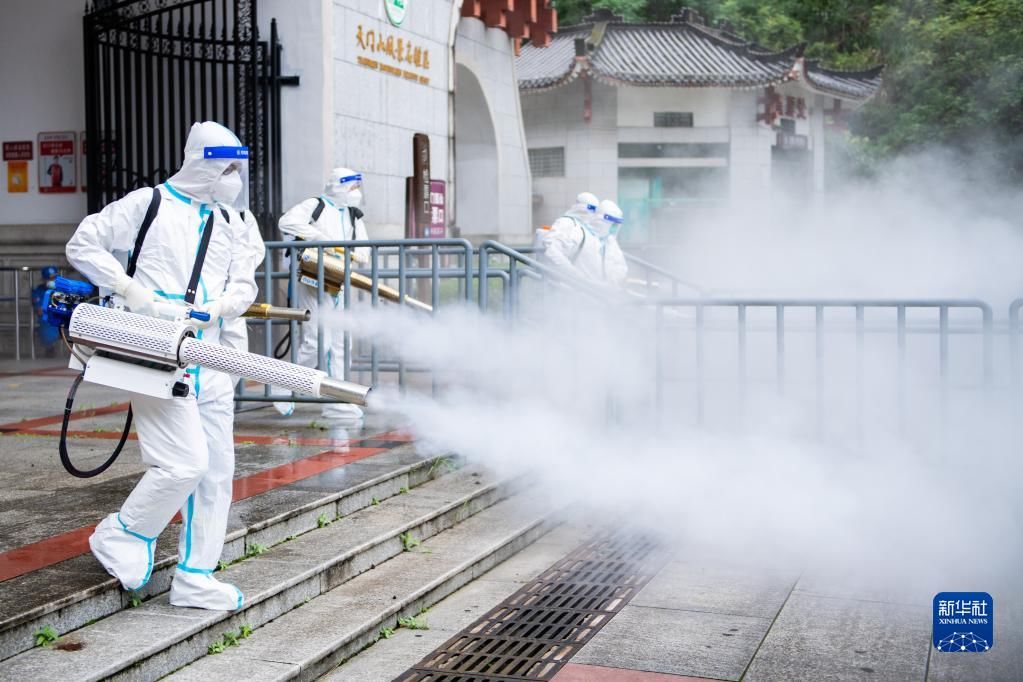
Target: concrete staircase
408 532
76 592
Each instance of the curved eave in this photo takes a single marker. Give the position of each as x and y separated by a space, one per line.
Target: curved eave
693 82
864 86
537 85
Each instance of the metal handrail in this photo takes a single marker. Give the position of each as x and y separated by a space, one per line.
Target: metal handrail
517 258
404 249
675 280
901 306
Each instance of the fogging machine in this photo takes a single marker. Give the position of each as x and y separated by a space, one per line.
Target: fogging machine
149 355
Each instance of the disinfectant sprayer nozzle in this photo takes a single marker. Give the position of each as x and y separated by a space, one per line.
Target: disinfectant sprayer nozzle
347 391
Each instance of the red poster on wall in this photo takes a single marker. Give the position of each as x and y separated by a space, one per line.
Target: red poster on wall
57 164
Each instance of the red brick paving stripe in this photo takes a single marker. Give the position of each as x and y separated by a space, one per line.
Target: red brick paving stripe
47 372
577 672
58 418
239 439
64 546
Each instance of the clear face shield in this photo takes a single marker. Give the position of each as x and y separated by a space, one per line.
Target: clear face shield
229 171
349 190
614 224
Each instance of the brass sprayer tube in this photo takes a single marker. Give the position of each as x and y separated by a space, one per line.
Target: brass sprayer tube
265 311
334 277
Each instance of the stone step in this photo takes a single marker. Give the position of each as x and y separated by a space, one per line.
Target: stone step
72 593
313 640
155 638
389 658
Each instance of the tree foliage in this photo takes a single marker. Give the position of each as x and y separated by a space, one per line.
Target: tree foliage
954 68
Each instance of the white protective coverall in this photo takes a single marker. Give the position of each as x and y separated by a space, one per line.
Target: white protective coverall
585 206
586 245
342 193
187 442
235 333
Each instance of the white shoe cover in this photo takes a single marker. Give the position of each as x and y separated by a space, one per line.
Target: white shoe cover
203 591
342 412
126 555
284 409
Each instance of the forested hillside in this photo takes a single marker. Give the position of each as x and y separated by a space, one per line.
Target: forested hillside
954 73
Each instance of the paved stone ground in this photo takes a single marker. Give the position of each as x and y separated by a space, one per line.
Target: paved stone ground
38 499
694 620
708 621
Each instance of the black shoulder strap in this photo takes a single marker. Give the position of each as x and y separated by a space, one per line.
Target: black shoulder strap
200 257
581 244
356 214
154 207
318 211
227 216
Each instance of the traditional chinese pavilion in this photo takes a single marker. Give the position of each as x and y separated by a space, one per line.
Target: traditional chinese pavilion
674 117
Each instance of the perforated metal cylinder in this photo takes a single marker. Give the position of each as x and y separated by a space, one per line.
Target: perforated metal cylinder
136 335
269 371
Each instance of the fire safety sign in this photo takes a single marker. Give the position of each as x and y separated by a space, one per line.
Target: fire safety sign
57 163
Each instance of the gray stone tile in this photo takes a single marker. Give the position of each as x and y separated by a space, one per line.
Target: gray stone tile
388 658
98 651
852 586
220 668
817 638
676 642
541 556
732 591
466 605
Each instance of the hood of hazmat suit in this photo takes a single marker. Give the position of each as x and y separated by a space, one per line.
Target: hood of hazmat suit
344 187
216 167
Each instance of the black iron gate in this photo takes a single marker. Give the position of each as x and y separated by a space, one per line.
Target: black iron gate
153 67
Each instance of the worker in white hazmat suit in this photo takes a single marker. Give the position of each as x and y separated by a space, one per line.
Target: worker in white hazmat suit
573 220
333 216
188 442
586 245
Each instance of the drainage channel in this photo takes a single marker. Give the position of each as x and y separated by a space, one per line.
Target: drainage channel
537 630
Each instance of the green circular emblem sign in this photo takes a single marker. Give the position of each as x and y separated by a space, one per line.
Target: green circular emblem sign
396 10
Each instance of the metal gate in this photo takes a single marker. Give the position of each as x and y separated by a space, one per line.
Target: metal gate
153 67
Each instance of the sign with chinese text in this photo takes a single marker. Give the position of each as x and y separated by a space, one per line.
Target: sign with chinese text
438 214
18 151
396 10
792 141
57 163
403 57
964 622
17 177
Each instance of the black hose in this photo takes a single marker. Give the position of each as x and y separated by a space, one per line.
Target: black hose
286 339
65 459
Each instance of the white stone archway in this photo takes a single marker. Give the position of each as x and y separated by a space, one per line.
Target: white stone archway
477 184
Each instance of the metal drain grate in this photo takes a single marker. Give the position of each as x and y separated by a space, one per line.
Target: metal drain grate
538 629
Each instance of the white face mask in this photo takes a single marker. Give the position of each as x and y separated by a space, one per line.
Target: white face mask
355 198
227 188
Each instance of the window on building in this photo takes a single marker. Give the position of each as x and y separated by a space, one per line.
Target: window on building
673 119
547 162
672 150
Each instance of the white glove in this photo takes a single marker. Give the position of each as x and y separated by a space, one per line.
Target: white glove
213 310
138 298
